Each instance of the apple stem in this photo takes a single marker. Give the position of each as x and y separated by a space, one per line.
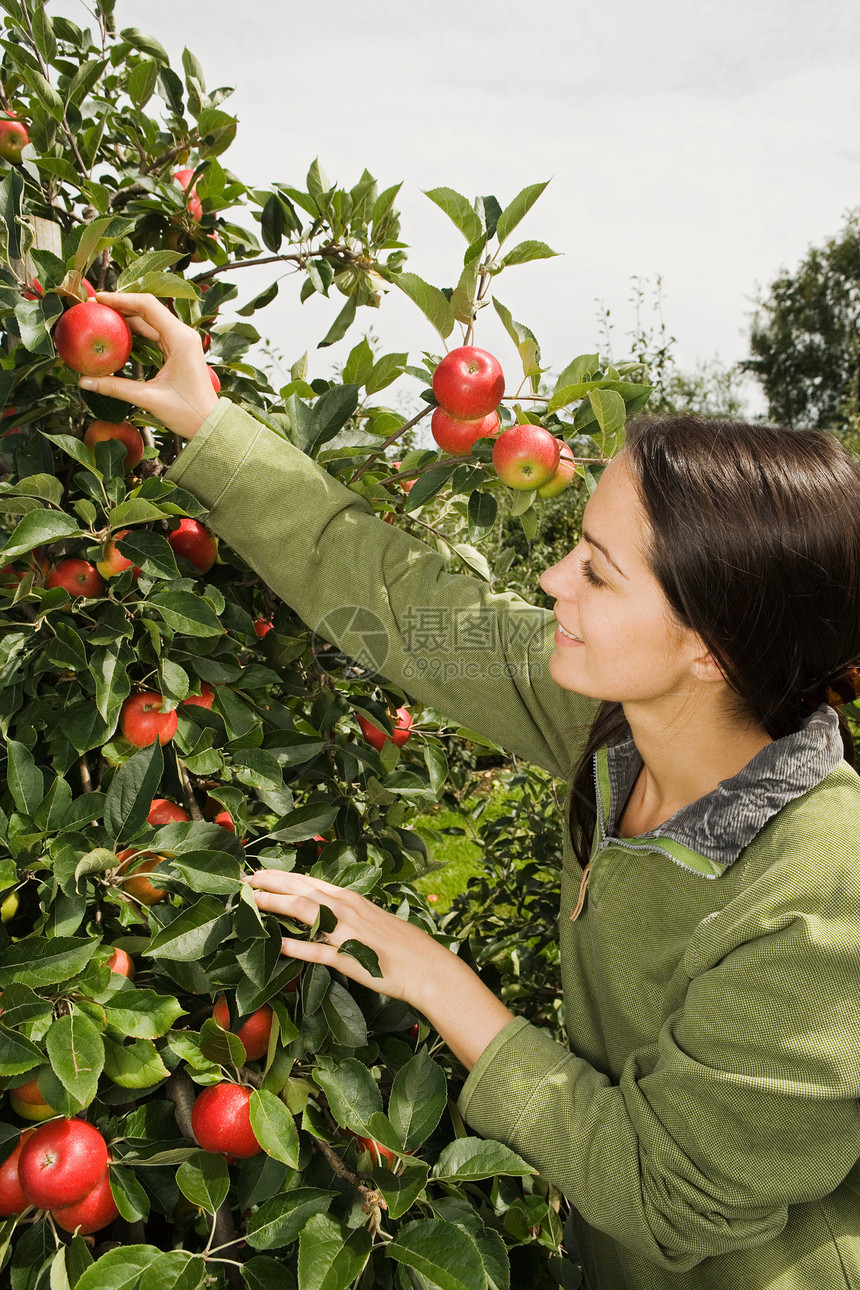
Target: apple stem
419 416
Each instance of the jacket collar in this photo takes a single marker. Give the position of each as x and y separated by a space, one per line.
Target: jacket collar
708 835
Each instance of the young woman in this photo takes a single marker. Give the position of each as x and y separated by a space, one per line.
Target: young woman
705 1122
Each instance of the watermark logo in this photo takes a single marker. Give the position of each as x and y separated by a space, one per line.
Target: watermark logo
353 636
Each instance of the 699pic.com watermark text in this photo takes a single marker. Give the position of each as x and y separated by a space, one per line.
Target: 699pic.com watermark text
420 668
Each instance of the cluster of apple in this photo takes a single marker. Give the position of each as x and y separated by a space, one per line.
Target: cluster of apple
63 1167
468 384
177 238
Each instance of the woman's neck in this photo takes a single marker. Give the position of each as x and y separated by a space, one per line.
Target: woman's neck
685 755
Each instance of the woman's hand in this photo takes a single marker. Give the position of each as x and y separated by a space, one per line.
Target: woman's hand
181 394
414 967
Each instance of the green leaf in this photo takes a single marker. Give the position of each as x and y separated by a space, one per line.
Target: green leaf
46 487
385 370
38 528
429 299
363 954
345 1018
400 1191
331 1255
136 1064
468 1159
119 1269
459 210
341 324
129 1196
523 338
473 558
97 236
278 1222
352 1093
429 484
38 962
274 1127
43 34
77 1054
418 1098
113 684
209 871
17 1053
442 1252
330 413
578 370
204 1180
167 286
134 511
517 209
131 792
304 822
608 407
23 778
483 509
141 1014
359 365
75 449
146 44
174 1270
151 552
197 931
142 80
185 612
524 252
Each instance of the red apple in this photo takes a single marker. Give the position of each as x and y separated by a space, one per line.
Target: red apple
14 137
215 379
142 721
121 963
164 812
262 626
221 1121
406 484
377 738
78 577
12 1199
379 1153
26 1100
95 1211
89 289
253 1032
195 544
133 877
526 456
458 437
35 292
113 562
202 700
195 206
93 339
61 1162
225 820
125 432
469 383
565 473
206 341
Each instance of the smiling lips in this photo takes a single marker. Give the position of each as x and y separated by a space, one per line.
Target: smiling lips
570 636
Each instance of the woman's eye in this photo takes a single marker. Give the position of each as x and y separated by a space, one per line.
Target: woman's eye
590 576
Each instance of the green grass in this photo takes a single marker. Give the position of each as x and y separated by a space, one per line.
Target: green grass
462 857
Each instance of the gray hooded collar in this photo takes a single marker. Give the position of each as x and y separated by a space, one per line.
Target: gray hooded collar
719 825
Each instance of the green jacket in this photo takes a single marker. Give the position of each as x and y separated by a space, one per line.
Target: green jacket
705 1123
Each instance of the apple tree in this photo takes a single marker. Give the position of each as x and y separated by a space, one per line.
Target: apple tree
168 726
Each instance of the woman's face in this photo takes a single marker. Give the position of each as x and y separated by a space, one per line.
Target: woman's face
617 637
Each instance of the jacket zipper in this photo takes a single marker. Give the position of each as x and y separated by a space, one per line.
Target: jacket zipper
602 844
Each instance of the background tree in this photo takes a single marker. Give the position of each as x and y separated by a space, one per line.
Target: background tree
806 337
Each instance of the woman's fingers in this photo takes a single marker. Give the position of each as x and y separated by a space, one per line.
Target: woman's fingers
291 905
141 309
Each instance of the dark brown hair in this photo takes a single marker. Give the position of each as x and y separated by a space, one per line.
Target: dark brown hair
755 542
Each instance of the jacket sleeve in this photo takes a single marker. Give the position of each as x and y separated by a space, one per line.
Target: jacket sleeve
383 597
746 1104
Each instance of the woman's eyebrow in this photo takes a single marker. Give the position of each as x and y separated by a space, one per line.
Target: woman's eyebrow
592 541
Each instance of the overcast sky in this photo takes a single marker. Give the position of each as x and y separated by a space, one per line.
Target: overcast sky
707 143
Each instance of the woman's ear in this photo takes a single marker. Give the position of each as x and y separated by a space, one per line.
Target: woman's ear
705 667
